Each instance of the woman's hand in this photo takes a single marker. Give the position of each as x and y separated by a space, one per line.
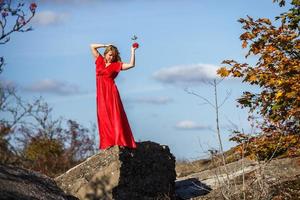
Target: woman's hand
133 49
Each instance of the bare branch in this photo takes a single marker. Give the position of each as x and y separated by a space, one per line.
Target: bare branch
228 93
206 100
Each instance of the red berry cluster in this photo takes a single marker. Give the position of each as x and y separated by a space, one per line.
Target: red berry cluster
32 7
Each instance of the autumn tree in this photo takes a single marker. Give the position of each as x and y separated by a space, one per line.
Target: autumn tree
32 138
277 71
56 155
52 146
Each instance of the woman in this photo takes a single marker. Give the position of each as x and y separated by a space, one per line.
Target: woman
113 125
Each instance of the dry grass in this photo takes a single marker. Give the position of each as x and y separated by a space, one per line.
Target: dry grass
185 167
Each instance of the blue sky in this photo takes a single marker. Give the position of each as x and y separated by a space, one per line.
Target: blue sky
181 44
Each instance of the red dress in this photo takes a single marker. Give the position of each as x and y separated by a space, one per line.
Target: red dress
113 125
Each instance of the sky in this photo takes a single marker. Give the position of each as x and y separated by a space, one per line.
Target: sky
182 43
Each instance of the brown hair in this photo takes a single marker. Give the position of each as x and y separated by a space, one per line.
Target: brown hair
115 52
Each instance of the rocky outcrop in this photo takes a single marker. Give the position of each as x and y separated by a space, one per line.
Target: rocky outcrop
147 172
21 184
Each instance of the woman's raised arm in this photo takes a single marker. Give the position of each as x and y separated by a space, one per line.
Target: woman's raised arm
94 48
131 64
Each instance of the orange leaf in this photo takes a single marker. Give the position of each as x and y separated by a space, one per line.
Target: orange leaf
223 72
244 45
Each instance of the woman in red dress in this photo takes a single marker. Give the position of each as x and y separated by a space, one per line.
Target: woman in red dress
113 125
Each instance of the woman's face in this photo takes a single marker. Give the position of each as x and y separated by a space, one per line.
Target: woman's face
109 57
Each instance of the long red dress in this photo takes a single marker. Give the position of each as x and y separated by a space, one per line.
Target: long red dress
113 125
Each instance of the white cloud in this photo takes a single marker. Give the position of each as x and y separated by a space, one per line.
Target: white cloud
190 125
54 87
50 18
187 74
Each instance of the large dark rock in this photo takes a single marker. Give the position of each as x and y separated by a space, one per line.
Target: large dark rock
21 184
147 172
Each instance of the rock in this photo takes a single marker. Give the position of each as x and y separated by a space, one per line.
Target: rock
21 184
147 172
190 188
